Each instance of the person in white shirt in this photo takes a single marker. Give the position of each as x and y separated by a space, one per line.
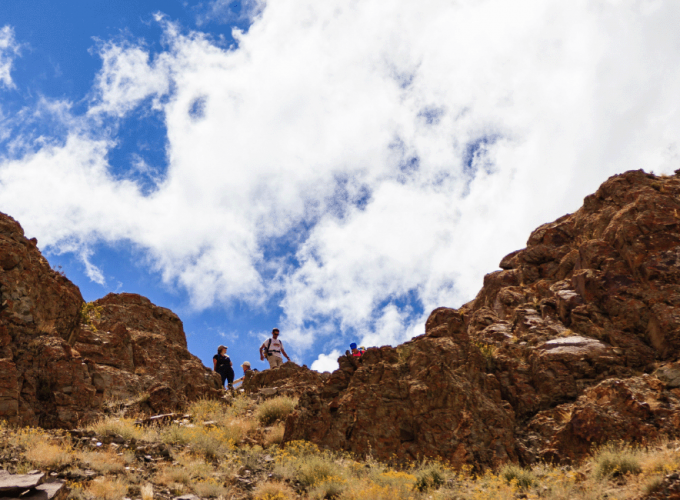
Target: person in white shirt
273 349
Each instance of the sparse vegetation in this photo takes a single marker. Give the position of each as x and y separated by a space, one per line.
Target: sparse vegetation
488 352
616 459
90 313
275 409
124 427
226 452
513 474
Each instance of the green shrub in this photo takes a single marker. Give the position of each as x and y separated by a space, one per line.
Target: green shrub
275 409
207 409
313 470
514 473
616 459
429 477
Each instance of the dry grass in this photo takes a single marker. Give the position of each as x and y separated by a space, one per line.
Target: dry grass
104 461
210 442
274 490
275 409
147 492
107 489
616 459
210 488
208 409
124 427
173 475
46 455
274 435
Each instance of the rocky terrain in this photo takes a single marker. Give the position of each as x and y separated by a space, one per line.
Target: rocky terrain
288 380
61 359
574 342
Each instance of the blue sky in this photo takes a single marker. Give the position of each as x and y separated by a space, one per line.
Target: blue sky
337 169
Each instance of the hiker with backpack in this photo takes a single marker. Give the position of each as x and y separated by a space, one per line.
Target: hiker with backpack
222 365
272 349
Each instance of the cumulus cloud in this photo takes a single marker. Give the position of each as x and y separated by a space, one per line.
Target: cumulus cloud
9 49
361 163
327 362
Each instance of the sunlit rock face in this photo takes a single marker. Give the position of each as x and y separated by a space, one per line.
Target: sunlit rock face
59 361
570 344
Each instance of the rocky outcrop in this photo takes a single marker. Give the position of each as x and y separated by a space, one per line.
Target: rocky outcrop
137 350
60 359
43 380
289 379
570 344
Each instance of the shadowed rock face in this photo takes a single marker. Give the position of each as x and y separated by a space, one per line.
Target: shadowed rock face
55 371
570 344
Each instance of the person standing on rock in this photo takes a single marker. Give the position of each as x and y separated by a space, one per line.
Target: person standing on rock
272 349
222 365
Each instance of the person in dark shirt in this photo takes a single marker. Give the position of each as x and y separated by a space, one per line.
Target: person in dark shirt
222 365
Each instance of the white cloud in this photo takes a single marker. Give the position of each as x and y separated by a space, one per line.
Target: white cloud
127 77
399 150
326 362
9 49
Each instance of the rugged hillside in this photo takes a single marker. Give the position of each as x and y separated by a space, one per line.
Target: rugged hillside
573 342
61 359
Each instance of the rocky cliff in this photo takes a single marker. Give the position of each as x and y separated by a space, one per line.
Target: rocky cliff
61 359
574 342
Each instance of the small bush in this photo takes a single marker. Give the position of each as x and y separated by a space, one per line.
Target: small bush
275 409
396 480
209 489
512 473
616 459
274 490
102 461
367 490
429 477
240 406
124 427
207 409
174 475
209 442
107 489
237 429
314 470
196 467
275 435
330 488
48 455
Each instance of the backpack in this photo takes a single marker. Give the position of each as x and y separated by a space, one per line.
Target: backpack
267 353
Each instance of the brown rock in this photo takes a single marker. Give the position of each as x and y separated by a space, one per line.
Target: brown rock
288 379
551 356
57 365
135 347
